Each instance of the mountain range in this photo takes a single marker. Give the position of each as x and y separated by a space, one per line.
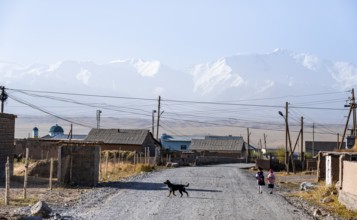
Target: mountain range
236 77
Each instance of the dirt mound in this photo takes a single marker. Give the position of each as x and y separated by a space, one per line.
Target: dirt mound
41 168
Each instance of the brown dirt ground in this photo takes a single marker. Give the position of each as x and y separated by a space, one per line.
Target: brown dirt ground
38 190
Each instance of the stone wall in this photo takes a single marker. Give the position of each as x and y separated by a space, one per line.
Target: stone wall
7 134
348 195
78 164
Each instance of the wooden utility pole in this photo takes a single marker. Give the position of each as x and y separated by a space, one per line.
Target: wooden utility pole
291 151
26 173
265 145
3 97
302 156
352 106
158 118
51 173
7 182
338 140
248 150
286 136
261 148
313 139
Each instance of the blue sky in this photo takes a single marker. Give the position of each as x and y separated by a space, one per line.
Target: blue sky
179 33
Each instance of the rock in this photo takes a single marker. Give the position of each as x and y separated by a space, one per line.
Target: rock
306 186
32 218
41 209
317 213
327 200
325 194
57 216
175 165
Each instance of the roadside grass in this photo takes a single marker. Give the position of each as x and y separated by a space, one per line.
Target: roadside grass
321 191
114 172
19 201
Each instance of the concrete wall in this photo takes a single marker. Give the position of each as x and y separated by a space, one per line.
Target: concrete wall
349 177
332 173
78 164
7 134
348 195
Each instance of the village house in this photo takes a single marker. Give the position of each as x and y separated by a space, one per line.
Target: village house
220 146
124 139
177 143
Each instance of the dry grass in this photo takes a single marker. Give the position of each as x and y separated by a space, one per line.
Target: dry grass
122 170
20 201
321 191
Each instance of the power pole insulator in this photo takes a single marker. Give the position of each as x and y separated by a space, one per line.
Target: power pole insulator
3 98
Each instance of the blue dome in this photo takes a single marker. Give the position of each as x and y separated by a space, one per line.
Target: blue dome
56 129
35 129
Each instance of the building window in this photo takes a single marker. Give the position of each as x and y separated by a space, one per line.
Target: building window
183 147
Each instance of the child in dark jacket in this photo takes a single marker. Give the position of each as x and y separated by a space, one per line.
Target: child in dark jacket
260 179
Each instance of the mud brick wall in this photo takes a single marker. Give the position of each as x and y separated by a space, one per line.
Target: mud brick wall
38 149
7 136
78 165
321 167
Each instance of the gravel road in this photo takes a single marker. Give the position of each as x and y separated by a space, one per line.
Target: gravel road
216 192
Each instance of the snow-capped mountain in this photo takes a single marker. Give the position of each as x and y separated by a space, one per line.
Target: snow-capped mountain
230 78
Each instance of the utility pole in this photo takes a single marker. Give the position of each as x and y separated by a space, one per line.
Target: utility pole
338 140
265 145
153 122
261 148
353 104
3 97
313 139
158 119
248 134
286 136
302 156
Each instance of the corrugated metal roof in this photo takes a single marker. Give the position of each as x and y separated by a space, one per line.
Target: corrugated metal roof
118 136
218 144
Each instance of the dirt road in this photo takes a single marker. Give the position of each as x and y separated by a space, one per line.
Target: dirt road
216 192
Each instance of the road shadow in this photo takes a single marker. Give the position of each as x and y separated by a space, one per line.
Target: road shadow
148 186
204 190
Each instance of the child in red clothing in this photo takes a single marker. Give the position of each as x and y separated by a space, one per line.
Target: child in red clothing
271 180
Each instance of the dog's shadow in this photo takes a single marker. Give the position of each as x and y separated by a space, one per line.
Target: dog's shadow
151 186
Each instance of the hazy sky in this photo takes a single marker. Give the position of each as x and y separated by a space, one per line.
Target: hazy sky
176 32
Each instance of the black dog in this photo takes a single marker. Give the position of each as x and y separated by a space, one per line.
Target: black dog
175 187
